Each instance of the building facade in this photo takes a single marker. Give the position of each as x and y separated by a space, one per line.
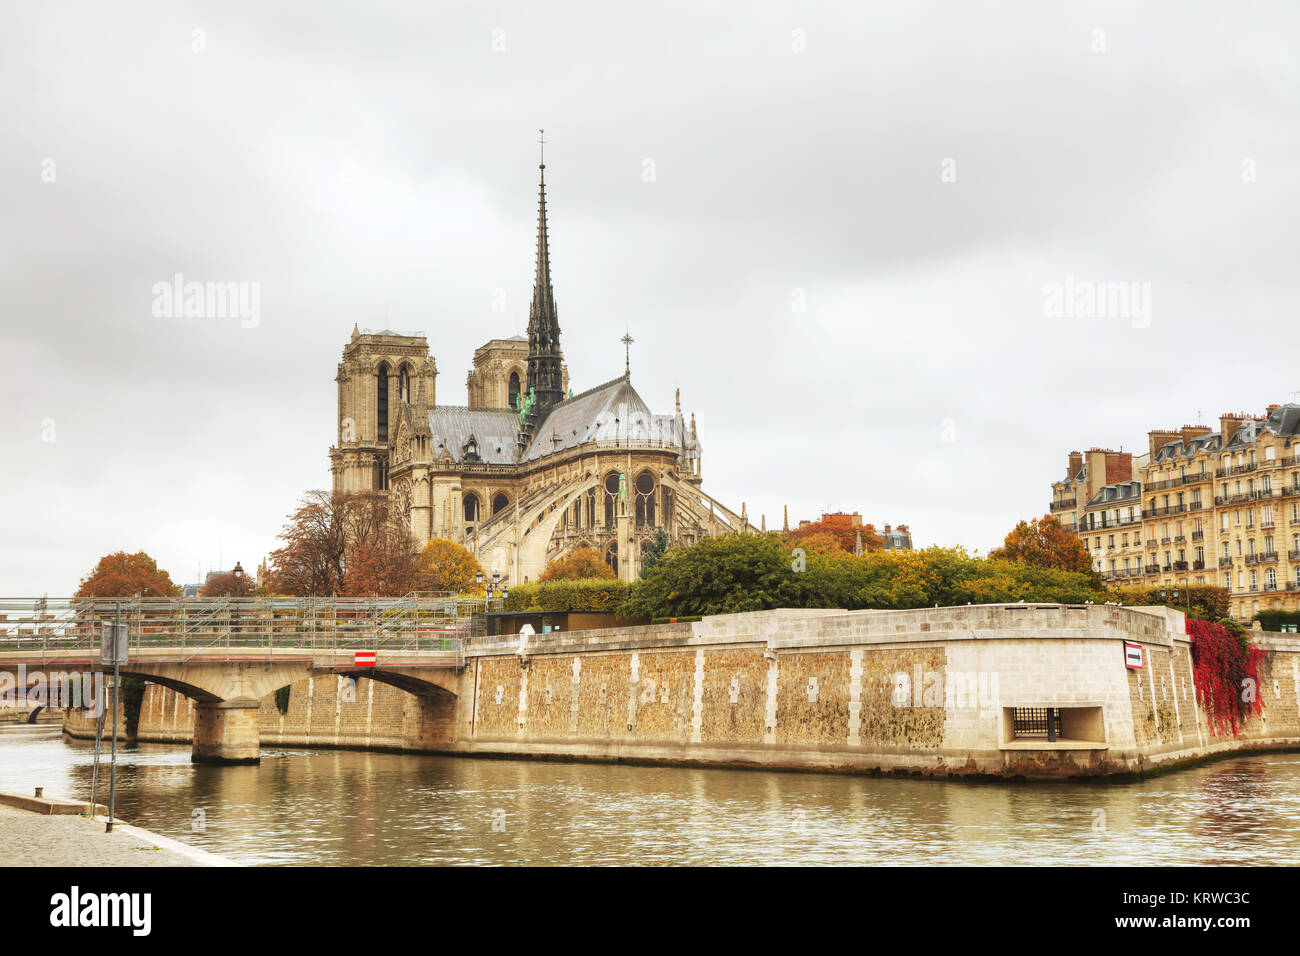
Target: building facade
1201 507
525 471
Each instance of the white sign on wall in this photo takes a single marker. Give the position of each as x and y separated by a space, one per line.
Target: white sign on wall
1132 656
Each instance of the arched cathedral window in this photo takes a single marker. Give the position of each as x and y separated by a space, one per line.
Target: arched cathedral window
500 503
611 498
512 399
645 500
381 402
406 384
471 508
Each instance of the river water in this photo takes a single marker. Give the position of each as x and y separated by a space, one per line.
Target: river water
351 808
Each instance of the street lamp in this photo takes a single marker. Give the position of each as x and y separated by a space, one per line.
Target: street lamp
238 574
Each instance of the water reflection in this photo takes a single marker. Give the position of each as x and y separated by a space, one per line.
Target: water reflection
340 807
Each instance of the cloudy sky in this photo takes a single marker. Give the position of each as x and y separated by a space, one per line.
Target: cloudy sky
845 231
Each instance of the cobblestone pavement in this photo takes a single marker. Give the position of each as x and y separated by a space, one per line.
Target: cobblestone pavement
33 839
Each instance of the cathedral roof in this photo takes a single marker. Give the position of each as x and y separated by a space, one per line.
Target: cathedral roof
493 429
612 412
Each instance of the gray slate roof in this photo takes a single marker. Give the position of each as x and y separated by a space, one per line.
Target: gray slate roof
495 430
609 412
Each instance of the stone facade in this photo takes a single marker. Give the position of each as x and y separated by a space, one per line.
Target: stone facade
526 471
931 691
1201 507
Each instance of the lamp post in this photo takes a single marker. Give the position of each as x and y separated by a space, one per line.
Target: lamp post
238 574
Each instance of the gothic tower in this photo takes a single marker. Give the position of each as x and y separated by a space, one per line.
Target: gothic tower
380 372
545 383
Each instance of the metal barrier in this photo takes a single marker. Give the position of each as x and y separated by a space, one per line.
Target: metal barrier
439 624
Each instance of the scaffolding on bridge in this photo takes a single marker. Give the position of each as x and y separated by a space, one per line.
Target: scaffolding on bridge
416 621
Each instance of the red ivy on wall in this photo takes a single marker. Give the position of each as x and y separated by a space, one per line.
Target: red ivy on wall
1225 669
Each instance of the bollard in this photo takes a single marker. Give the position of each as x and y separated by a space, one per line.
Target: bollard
40 792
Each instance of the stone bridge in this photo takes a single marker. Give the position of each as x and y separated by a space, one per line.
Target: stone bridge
228 654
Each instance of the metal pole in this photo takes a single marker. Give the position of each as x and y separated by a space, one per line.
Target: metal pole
117 694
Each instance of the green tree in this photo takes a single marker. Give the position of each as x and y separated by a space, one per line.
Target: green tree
653 550
722 575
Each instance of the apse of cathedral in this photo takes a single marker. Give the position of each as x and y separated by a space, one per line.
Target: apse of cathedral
526 471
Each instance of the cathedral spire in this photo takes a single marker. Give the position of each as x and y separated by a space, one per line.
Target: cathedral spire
545 358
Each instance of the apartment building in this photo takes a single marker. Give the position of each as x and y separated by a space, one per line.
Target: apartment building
1201 507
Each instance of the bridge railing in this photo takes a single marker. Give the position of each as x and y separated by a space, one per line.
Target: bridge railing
433 624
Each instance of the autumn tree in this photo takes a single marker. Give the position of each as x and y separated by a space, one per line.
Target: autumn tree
226 584
445 566
383 563
1044 543
842 529
125 575
310 561
576 565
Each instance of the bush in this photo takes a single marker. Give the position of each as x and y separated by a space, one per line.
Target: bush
592 595
1202 602
758 572
132 698
1274 620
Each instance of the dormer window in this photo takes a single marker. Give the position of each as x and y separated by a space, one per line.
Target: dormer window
470 449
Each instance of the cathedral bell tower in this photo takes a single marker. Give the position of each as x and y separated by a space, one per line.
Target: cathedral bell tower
545 384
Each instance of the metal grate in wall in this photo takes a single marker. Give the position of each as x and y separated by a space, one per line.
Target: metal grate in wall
1036 722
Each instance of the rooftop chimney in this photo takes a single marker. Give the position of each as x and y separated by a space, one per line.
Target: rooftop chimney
1228 424
1075 466
1159 438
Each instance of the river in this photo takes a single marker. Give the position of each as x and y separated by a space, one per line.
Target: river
324 807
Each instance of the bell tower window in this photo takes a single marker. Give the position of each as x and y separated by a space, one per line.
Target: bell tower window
381 403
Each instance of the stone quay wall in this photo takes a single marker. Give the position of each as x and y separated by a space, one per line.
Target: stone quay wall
927 691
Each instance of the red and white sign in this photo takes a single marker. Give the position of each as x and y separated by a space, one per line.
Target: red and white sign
365 659
1132 656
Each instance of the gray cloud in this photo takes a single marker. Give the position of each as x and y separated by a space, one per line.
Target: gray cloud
377 165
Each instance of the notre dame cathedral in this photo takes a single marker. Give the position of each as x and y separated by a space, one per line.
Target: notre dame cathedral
526 471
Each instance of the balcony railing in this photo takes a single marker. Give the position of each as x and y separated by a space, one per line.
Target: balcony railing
1166 510
1225 562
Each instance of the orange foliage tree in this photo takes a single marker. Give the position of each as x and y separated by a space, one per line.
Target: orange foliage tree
383 563
842 529
578 564
124 575
310 561
1044 543
445 566
228 584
